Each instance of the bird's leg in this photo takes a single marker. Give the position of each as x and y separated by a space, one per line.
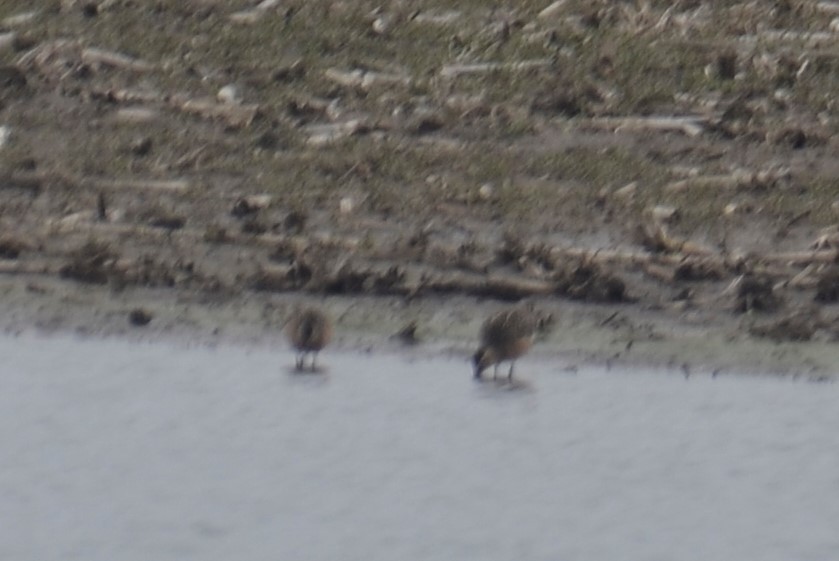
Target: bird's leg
314 358
510 373
495 371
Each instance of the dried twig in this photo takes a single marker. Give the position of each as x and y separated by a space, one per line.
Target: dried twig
94 56
233 114
688 125
174 185
454 70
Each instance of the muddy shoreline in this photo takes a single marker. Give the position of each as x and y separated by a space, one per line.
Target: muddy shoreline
661 180
619 337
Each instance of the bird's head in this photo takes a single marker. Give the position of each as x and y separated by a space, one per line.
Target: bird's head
483 359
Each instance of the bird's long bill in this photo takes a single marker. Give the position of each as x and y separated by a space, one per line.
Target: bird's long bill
477 367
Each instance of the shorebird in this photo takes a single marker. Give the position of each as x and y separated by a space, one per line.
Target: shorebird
504 337
309 330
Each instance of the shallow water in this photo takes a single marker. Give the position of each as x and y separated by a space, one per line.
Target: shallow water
123 451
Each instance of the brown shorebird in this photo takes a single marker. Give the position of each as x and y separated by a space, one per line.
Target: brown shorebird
309 330
504 337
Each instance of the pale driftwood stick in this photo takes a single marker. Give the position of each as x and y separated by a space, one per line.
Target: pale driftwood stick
614 256
688 125
90 227
327 241
235 115
800 257
174 185
29 181
7 40
553 10
660 273
437 18
254 14
93 56
501 287
27 268
129 96
705 182
828 7
35 181
326 133
365 79
106 228
136 114
804 279
21 18
454 70
793 258
656 236
808 38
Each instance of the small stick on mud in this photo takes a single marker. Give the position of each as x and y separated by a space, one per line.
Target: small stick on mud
27 181
235 115
174 185
326 133
127 95
27 268
735 180
690 125
101 207
94 56
365 79
800 257
455 70
254 14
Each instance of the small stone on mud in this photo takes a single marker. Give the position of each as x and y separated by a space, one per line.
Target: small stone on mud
382 25
139 317
230 94
295 221
267 141
90 9
141 146
553 10
627 191
408 334
254 225
168 221
346 205
664 213
245 206
216 234
11 77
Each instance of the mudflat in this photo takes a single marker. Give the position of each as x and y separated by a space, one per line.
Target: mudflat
657 179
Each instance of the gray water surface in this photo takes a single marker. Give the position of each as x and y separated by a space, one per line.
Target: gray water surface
123 451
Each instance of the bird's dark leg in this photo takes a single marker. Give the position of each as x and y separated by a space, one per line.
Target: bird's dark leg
510 373
314 359
495 371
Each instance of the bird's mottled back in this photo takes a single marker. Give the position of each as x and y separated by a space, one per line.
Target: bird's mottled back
504 328
505 336
309 330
